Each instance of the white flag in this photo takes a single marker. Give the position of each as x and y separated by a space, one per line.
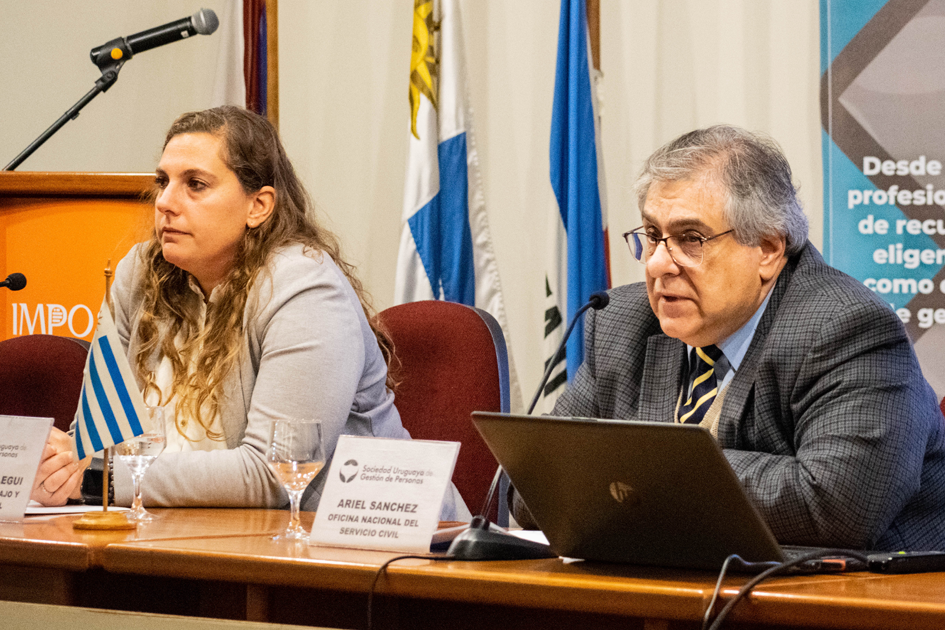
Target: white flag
445 248
229 85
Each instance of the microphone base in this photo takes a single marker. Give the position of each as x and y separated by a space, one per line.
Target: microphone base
483 544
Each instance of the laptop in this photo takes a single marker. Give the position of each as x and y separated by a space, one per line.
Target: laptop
645 493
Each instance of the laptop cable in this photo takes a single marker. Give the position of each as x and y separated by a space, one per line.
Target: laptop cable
383 567
832 560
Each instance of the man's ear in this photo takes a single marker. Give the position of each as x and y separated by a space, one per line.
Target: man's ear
772 256
263 203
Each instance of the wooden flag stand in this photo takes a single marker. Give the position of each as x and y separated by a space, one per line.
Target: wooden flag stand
105 520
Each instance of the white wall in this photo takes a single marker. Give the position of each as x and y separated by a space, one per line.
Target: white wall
44 48
669 66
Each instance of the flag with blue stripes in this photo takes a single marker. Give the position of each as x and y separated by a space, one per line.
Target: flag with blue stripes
111 408
579 261
446 250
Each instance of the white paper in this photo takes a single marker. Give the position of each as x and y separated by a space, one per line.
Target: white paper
384 494
534 535
34 508
22 440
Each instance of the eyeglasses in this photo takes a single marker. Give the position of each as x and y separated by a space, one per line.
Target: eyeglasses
686 250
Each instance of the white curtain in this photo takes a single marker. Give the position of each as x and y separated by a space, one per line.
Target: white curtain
675 65
669 66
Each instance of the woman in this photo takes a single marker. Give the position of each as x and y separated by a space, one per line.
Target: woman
240 309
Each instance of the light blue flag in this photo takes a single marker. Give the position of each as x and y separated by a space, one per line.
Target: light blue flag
575 178
111 408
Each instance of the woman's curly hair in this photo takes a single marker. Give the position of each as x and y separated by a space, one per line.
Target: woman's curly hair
254 152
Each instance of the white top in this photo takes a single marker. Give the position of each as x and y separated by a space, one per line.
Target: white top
194 437
190 435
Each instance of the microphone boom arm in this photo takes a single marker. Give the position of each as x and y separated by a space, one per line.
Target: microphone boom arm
108 79
111 56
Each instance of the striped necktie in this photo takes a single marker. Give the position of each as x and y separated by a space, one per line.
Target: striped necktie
703 384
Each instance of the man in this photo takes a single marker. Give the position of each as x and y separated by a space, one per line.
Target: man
807 380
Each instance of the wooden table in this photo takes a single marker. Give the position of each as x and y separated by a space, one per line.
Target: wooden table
222 563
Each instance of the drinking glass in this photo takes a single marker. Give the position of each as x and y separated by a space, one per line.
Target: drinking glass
137 453
295 454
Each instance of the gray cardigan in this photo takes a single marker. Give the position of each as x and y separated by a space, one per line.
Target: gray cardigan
308 351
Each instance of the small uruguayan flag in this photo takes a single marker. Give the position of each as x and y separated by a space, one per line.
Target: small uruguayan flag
111 408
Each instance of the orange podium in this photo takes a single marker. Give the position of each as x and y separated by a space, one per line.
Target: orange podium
60 230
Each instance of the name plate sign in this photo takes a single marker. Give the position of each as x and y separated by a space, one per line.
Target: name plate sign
22 440
384 494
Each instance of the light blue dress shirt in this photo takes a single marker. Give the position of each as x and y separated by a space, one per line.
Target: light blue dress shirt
735 346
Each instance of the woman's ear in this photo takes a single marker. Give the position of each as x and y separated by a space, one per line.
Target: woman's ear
263 203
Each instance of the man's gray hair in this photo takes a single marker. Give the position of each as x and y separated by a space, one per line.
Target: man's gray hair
755 175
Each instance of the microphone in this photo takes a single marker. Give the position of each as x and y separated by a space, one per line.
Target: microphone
478 542
110 57
14 282
203 22
597 301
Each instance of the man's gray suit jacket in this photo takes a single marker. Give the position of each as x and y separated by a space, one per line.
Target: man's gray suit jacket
828 421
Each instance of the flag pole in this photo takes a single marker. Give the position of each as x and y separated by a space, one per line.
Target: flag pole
105 520
107 455
272 62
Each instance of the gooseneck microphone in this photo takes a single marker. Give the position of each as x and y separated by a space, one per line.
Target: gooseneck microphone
597 301
203 22
14 282
111 56
478 542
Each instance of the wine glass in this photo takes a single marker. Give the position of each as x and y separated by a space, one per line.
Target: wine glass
295 454
138 452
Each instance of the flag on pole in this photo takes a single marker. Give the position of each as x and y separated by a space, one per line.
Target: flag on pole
111 408
446 248
229 86
242 62
579 263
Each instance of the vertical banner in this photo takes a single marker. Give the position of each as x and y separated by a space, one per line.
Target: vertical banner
883 114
